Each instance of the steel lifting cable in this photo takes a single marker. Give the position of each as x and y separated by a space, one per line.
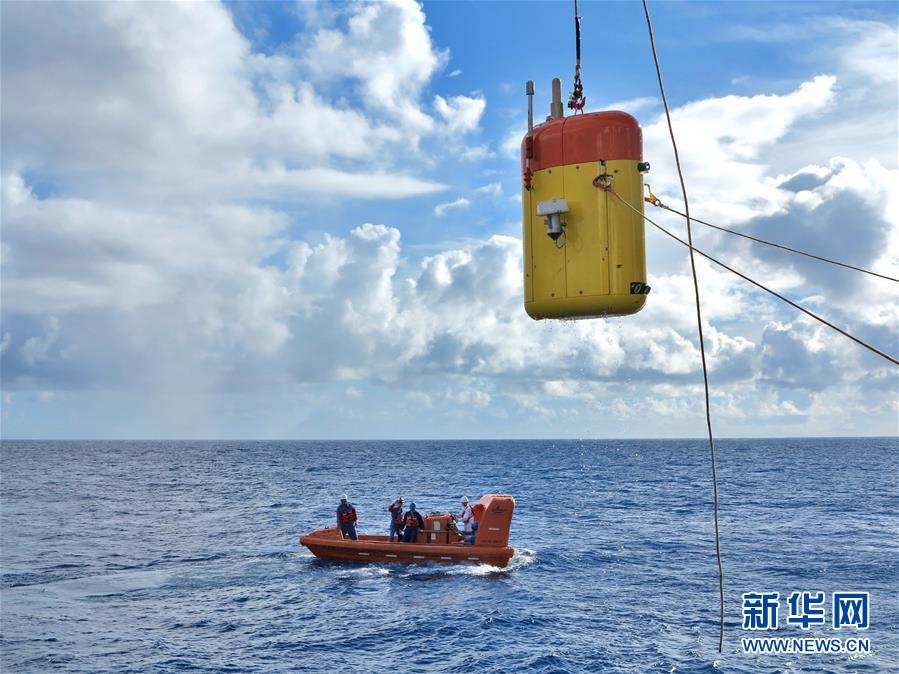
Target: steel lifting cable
705 373
655 202
762 286
577 101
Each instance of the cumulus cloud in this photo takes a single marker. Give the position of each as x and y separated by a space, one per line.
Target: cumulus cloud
814 215
172 100
66 253
342 309
730 182
460 113
151 244
721 140
387 51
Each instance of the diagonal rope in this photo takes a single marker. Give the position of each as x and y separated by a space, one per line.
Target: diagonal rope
776 294
705 372
777 245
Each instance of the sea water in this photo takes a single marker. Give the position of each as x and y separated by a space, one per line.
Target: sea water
184 556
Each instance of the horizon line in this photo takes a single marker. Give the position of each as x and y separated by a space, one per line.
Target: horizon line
480 439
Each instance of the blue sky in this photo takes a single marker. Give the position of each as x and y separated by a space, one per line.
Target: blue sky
278 220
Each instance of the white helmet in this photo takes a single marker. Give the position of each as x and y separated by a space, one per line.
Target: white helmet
343 497
464 499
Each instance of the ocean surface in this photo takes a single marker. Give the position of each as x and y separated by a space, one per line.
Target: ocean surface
183 556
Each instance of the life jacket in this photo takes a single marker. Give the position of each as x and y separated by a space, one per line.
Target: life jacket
398 517
412 520
347 516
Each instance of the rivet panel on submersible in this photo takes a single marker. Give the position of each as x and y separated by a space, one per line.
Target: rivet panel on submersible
584 251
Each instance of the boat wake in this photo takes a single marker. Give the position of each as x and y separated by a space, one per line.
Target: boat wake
522 558
364 572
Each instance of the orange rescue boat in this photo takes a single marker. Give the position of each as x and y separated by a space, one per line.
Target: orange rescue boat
438 541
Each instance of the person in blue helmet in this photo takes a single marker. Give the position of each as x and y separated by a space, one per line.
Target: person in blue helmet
396 519
471 535
347 518
412 523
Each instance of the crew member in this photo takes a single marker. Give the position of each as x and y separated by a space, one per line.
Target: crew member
467 515
412 522
347 518
396 519
471 535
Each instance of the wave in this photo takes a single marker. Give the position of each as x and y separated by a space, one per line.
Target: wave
522 558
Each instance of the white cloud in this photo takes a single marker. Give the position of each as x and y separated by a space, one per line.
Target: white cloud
869 48
73 254
631 105
145 107
349 309
511 144
157 268
460 114
469 398
873 53
720 140
459 297
476 153
387 49
492 189
863 56
36 349
341 183
455 73
441 209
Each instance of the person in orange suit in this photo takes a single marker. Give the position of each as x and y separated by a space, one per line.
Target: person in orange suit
347 518
412 523
396 519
